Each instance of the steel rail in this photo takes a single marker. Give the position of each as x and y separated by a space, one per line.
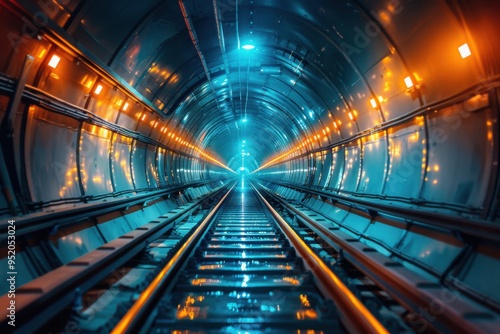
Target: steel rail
130 322
474 228
57 287
354 314
410 289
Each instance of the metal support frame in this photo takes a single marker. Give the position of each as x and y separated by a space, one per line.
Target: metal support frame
472 229
492 200
8 170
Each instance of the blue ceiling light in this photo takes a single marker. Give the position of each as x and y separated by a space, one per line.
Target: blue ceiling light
248 47
272 69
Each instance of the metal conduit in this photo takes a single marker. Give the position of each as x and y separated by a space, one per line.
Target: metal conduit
194 39
220 34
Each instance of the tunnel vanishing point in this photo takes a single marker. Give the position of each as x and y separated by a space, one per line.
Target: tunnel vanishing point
372 122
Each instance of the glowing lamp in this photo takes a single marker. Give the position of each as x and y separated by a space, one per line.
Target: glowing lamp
42 53
408 82
464 50
54 61
98 89
248 47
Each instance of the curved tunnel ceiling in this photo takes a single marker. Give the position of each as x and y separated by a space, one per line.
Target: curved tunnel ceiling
249 79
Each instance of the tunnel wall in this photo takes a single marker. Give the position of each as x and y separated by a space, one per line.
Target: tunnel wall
431 144
77 134
441 160
41 252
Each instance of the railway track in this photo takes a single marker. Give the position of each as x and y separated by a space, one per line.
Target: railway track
246 274
241 267
404 299
235 268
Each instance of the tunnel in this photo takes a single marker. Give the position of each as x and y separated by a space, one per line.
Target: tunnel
371 124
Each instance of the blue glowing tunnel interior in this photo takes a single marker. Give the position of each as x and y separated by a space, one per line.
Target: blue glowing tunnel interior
362 97
389 102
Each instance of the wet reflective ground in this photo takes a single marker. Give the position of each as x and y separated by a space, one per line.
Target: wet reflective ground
245 278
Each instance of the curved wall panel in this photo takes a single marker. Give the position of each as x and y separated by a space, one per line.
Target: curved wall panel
374 164
139 165
407 155
50 153
350 177
444 159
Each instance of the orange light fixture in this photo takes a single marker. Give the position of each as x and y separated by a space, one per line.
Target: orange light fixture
125 106
54 61
98 90
42 53
408 82
464 50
